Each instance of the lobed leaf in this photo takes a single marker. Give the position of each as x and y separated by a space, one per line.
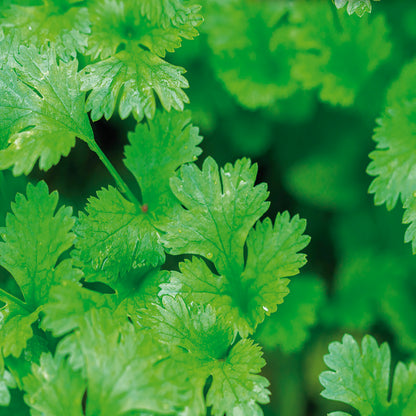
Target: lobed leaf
220 209
115 243
42 110
207 338
361 378
34 239
157 149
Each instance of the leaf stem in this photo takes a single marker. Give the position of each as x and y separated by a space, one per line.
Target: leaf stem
7 296
122 186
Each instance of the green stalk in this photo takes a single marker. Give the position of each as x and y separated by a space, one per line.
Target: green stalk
5 296
121 185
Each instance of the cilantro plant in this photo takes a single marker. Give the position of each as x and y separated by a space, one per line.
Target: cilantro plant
168 288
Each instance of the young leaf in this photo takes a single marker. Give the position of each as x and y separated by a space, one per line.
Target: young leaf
360 7
42 110
156 150
362 378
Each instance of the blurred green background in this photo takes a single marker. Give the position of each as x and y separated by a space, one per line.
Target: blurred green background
297 87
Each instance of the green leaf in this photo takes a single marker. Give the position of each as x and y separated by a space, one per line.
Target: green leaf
35 237
134 79
156 150
245 298
115 244
63 26
237 388
127 371
173 14
288 328
272 256
131 41
207 338
67 306
42 110
361 378
220 209
360 7
194 328
54 388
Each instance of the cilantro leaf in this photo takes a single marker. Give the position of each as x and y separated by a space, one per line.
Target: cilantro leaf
54 388
114 241
360 7
207 337
42 111
156 150
362 378
59 24
131 372
194 328
68 303
237 388
244 293
34 239
134 78
177 14
131 41
221 207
